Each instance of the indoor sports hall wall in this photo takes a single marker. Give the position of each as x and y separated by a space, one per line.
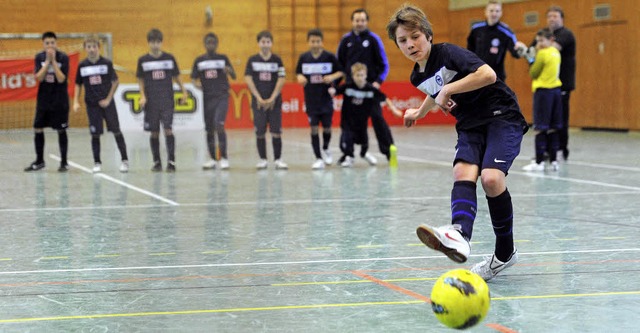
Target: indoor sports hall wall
608 68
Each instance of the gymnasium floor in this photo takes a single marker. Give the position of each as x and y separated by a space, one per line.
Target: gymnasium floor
302 250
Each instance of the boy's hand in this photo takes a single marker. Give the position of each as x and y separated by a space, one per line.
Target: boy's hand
143 101
302 80
76 107
184 98
410 117
104 102
332 91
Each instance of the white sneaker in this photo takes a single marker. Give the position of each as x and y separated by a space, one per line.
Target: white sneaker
262 164
124 166
318 164
326 157
224 164
280 165
97 168
371 159
491 266
555 166
208 165
533 166
348 162
446 239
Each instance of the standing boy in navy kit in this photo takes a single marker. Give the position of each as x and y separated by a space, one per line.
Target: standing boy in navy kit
52 105
209 73
156 72
96 74
490 128
316 71
265 77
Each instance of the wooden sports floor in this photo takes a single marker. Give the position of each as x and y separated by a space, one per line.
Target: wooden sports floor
306 251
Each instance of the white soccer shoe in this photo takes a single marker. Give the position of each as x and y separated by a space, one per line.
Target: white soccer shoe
224 164
280 165
262 164
318 164
446 239
348 162
372 160
124 166
533 166
97 168
327 157
209 165
491 266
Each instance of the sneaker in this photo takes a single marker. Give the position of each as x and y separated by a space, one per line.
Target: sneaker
348 162
262 164
97 167
318 164
157 166
208 165
35 166
64 167
393 156
326 157
124 166
370 158
171 166
280 165
555 166
224 164
533 166
491 266
446 239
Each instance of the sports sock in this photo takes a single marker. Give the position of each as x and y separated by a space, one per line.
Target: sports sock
155 148
326 139
261 143
63 143
464 206
211 144
277 147
171 147
222 143
122 146
95 148
541 146
315 144
501 211
553 144
38 141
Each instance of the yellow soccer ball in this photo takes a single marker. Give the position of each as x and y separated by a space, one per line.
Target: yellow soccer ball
460 299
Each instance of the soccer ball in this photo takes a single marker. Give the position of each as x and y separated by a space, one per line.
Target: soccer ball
460 299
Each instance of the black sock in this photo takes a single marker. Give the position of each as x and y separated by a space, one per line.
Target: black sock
315 144
38 141
211 144
171 147
326 139
63 143
501 211
553 144
95 148
277 147
464 203
122 146
262 147
364 148
222 143
541 146
155 148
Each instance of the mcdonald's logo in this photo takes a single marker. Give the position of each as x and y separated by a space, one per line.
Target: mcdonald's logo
237 99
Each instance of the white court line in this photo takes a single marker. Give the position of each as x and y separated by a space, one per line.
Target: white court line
119 182
287 263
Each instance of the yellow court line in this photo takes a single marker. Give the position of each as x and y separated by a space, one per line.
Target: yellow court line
54 258
318 248
346 282
106 255
215 252
618 237
191 312
6 259
371 246
163 254
267 250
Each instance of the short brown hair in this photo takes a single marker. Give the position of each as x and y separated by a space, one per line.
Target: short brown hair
93 38
411 17
358 66
556 9
264 34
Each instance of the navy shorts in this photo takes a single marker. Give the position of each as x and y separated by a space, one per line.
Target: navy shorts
490 146
325 118
215 112
547 109
97 114
57 119
154 115
272 117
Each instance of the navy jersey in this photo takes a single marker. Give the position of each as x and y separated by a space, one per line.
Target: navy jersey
491 43
316 92
358 103
265 73
366 48
449 63
51 93
157 74
210 70
97 79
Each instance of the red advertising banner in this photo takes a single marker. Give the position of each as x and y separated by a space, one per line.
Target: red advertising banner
18 80
402 94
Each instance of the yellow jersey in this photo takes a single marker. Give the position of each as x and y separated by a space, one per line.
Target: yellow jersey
545 70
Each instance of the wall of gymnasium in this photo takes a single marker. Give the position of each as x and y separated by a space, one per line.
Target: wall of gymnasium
607 62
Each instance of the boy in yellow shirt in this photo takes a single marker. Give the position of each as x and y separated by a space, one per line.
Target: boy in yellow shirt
547 100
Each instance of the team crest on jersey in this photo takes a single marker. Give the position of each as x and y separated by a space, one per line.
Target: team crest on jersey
495 42
439 80
365 43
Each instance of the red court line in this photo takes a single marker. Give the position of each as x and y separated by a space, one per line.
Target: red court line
413 294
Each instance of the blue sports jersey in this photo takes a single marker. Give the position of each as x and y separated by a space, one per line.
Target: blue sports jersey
449 63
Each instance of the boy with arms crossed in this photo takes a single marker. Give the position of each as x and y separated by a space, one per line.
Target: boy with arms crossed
209 73
316 71
96 74
265 77
490 129
156 72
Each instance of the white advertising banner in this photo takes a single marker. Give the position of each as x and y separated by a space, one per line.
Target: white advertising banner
186 116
